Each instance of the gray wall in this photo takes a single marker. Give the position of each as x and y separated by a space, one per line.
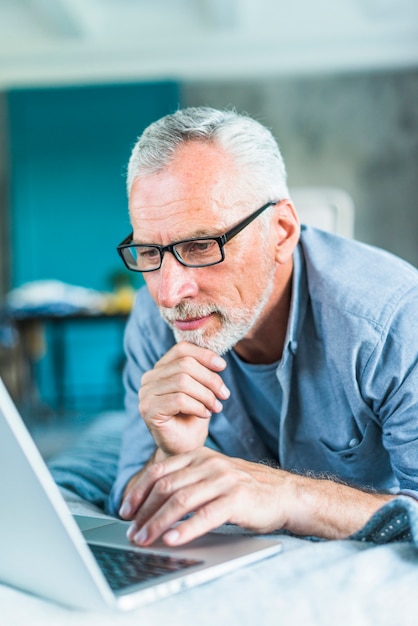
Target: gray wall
355 131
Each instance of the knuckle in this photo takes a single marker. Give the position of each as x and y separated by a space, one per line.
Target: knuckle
181 402
181 499
163 487
217 464
143 406
155 471
182 348
188 364
144 378
181 380
238 492
205 514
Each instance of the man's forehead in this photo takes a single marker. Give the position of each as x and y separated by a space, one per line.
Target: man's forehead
175 221
170 208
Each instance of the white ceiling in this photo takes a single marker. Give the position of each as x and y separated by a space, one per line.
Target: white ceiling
45 42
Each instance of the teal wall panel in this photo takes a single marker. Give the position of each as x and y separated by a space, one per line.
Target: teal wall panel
68 151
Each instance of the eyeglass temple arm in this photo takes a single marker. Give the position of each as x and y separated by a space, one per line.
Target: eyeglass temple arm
127 240
239 227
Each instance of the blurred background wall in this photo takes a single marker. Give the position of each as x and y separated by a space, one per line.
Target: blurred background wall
336 81
354 130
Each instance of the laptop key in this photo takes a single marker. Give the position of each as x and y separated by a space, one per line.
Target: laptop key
123 568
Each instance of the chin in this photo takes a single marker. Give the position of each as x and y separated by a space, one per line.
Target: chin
217 342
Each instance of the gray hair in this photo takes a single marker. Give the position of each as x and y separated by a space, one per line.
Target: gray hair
251 144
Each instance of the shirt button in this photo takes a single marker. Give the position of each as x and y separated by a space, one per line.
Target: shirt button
353 442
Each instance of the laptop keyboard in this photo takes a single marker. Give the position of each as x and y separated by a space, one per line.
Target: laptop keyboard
123 568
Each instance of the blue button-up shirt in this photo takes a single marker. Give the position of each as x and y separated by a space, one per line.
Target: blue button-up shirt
348 374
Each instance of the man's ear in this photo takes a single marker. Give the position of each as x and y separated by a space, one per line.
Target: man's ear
287 229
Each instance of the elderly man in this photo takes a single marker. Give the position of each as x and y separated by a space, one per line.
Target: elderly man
276 366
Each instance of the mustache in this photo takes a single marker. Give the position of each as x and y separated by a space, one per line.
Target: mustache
188 310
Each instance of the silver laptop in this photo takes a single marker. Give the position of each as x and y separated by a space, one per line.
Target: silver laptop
88 562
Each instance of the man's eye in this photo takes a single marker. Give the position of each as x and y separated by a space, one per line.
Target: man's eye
200 247
148 254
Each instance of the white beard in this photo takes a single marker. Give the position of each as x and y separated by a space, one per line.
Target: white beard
235 323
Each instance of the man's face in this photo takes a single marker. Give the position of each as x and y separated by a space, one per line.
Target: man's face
214 307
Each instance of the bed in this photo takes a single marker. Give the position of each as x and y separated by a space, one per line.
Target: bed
371 578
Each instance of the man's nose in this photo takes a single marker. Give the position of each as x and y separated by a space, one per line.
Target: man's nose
176 282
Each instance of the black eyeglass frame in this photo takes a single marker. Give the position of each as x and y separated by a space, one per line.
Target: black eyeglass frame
221 240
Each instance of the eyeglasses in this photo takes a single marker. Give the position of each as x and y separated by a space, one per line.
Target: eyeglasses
195 252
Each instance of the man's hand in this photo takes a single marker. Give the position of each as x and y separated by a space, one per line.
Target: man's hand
217 489
178 396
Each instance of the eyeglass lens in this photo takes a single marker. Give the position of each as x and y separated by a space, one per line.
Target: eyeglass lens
197 252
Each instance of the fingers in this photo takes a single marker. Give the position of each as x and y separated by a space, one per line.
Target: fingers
161 518
165 492
206 518
180 394
203 521
184 381
204 356
183 386
202 483
140 487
